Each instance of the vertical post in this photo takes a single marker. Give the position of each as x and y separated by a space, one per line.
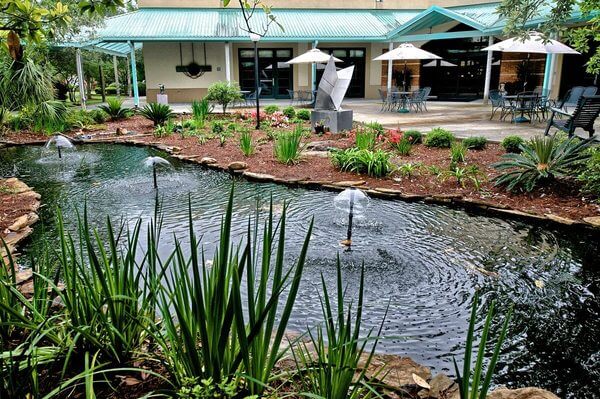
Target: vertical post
116 69
80 77
314 70
256 84
228 62
102 83
136 94
128 79
488 72
390 69
548 73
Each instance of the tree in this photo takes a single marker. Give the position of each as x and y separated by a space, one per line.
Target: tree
223 93
519 13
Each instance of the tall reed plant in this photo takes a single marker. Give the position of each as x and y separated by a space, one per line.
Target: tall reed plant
200 110
288 145
365 139
246 143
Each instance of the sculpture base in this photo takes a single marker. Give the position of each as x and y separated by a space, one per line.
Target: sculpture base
336 121
162 99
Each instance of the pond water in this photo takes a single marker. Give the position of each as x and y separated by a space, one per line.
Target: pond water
425 261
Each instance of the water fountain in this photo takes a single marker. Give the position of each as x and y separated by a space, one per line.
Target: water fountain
153 162
354 202
60 142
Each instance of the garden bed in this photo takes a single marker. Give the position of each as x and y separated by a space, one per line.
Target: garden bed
559 202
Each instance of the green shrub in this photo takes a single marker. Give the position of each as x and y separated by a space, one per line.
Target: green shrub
542 160
111 89
409 169
303 114
414 136
224 93
590 176
403 146
114 109
376 128
271 109
512 144
98 115
48 116
4 115
475 143
365 139
217 127
246 143
157 113
200 110
458 152
373 163
439 138
288 145
290 112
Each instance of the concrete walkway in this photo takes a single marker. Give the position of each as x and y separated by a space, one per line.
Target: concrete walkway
464 119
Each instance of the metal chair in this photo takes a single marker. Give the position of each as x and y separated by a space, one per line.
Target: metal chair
416 100
426 93
251 98
525 103
291 93
585 114
498 103
571 98
383 96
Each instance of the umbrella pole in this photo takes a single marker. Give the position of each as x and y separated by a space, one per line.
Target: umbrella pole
526 71
404 76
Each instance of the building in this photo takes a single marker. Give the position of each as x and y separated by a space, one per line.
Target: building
176 33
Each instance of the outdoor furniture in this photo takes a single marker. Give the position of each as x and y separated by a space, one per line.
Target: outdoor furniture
523 103
251 98
385 100
399 100
426 96
571 98
417 100
499 102
292 95
584 115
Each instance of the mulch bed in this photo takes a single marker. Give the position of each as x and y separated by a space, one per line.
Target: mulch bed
560 199
12 206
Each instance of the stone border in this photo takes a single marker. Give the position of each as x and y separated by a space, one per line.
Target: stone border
239 168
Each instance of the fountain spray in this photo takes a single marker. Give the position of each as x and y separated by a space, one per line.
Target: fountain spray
354 202
60 142
154 162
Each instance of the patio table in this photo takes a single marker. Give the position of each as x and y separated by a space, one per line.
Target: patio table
523 98
403 95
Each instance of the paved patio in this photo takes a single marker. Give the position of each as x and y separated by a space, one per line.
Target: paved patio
464 119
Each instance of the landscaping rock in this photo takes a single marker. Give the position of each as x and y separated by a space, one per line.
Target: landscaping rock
19 223
442 387
560 219
594 221
350 183
15 237
389 191
237 165
208 161
395 371
258 176
521 393
320 146
317 154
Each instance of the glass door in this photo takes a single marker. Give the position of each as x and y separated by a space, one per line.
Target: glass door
275 76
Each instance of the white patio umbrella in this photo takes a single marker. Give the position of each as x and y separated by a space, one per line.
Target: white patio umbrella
406 51
435 63
313 56
534 43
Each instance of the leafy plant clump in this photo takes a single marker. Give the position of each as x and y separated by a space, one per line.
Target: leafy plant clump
590 176
303 114
246 143
271 109
115 110
458 152
200 110
376 128
373 163
414 136
439 138
217 127
542 160
288 145
512 144
159 114
475 143
224 93
403 146
290 112
365 139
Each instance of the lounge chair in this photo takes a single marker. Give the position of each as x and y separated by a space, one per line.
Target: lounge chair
571 98
584 115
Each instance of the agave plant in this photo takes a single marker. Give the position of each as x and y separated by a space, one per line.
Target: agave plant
542 159
114 109
157 113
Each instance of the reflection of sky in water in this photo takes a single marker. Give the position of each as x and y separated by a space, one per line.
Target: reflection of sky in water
422 261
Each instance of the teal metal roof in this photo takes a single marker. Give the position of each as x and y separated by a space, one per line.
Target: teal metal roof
324 25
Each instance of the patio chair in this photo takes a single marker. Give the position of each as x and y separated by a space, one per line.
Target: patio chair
292 95
585 114
426 93
383 96
525 104
416 100
571 98
499 103
251 98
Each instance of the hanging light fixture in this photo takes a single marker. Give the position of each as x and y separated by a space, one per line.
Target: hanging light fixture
193 70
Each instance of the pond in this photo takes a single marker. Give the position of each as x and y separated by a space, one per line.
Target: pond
425 261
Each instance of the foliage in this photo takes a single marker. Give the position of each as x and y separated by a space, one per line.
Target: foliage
365 139
408 169
246 143
414 136
200 110
331 368
289 111
157 113
224 93
221 326
303 114
474 383
25 83
440 138
376 128
193 388
512 143
519 14
542 160
403 146
115 110
475 142
590 176
458 152
374 163
288 145
4 115
271 109
217 127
